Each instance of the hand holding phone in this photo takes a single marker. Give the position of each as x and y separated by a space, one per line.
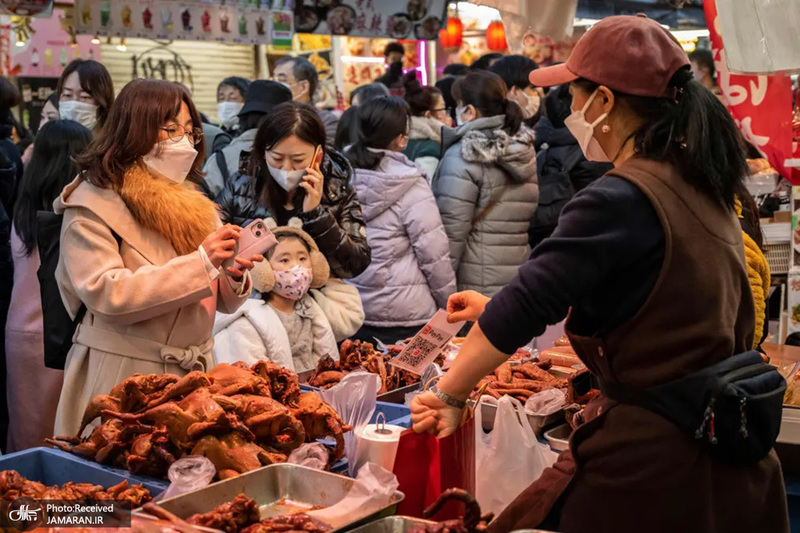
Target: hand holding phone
255 239
313 181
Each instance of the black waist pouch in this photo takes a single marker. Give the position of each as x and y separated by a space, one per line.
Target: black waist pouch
732 408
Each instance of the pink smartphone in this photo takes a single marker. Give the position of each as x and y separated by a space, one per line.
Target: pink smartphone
256 238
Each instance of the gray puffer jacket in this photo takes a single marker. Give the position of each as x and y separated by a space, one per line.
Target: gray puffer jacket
410 276
486 189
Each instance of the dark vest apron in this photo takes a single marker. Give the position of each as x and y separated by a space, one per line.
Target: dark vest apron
628 469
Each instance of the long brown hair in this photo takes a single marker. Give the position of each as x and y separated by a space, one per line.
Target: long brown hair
286 119
96 81
134 121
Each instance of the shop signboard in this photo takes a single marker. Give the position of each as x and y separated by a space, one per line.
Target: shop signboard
34 91
406 19
236 22
27 8
760 104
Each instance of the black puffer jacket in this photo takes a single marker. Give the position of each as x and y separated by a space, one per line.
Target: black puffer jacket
562 168
336 225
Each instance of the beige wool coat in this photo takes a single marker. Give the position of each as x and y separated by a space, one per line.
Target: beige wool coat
132 258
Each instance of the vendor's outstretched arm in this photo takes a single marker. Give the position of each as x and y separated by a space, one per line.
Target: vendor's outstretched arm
477 359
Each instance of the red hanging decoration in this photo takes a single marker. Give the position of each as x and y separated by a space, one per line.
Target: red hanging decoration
453 35
496 36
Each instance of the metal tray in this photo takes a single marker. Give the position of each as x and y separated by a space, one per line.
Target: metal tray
538 423
272 483
558 437
393 524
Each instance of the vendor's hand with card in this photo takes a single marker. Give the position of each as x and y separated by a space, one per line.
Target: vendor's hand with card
466 306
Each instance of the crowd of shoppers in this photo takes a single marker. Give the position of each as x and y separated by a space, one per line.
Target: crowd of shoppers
382 213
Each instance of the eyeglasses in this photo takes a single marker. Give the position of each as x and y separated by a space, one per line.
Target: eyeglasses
440 109
176 132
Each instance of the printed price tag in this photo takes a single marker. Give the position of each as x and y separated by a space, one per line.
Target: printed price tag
427 344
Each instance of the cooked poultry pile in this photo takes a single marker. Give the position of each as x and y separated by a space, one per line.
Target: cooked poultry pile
242 516
13 486
239 417
471 522
355 355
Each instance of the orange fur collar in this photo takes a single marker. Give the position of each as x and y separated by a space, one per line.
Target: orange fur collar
177 211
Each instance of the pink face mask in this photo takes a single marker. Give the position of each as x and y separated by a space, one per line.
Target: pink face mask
293 283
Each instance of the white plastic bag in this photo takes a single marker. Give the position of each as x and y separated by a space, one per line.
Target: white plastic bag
431 372
313 455
373 491
546 402
188 474
509 453
354 398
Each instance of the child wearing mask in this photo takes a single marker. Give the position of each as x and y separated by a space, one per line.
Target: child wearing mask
285 326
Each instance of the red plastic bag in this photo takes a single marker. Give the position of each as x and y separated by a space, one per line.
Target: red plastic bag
426 466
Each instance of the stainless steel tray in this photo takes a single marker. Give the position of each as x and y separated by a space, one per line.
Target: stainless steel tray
558 437
271 484
393 524
538 423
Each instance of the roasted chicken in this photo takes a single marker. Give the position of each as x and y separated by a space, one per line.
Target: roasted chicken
13 486
230 517
240 418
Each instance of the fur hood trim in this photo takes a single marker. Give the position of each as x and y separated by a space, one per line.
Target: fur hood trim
515 154
178 211
426 128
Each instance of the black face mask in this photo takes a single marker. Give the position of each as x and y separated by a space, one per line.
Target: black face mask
396 68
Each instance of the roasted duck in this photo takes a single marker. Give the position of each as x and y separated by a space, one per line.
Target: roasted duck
239 417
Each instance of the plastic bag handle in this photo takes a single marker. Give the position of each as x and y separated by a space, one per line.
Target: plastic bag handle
522 418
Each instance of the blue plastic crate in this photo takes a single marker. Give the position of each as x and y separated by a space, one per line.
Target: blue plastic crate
55 467
398 415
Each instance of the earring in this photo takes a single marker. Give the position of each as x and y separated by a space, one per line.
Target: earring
606 128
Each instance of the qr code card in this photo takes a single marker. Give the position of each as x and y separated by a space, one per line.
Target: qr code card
427 344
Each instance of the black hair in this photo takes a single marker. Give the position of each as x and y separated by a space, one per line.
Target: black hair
369 91
455 69
286 119
514 70
53 99
557 105
283 235
446 87
303 70
251 121
9 95
486 92
693 131
485 61
345 128
394 47
51 168
96 81
379 122
704 58
239 83
419 98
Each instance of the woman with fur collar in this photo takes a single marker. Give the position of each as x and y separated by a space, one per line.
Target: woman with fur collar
486 184
428 116
142 249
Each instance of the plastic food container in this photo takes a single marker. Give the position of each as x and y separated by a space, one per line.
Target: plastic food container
55 467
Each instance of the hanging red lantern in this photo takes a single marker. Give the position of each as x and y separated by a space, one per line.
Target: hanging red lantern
496 36
453 35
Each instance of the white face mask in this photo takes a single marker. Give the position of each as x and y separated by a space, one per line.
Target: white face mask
228 111
172 160
583 132
460 111
83 113
289 180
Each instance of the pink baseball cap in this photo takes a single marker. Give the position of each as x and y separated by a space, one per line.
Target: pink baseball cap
629 54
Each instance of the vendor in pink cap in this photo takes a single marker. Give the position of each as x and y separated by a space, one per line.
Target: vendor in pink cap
648 267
